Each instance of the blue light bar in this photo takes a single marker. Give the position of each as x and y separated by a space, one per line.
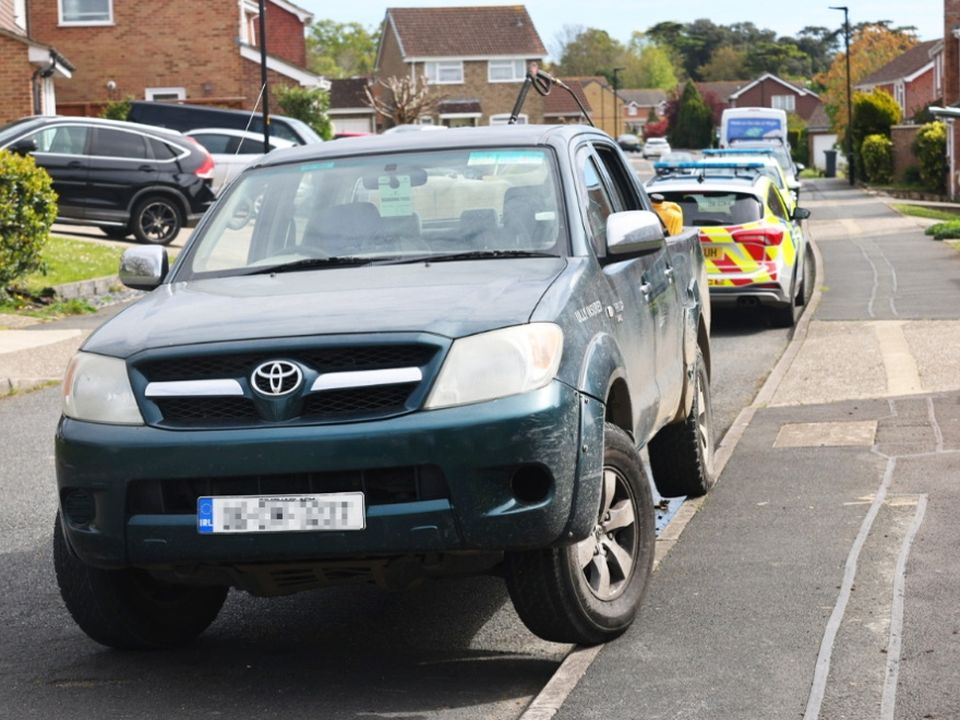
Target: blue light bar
735 151
708 166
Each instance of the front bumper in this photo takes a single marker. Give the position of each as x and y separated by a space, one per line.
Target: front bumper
477 447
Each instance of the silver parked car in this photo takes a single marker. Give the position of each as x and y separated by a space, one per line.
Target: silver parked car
655 147
232 151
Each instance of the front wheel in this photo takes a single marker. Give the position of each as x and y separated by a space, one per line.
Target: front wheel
589 592
681 455
129 609
156 220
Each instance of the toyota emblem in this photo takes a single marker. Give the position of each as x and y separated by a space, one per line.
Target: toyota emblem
276 378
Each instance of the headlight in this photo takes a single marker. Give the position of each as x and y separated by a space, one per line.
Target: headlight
499 363
96 388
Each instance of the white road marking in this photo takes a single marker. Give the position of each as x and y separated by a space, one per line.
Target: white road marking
822 671
894 645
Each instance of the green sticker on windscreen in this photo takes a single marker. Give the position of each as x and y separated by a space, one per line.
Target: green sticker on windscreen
396 195
309 167
505 157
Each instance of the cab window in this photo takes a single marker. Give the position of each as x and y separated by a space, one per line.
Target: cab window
61 140
117 143
597 200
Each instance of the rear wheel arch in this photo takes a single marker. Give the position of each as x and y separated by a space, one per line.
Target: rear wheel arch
160 191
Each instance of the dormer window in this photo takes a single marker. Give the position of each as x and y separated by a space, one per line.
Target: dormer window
86 12
444 72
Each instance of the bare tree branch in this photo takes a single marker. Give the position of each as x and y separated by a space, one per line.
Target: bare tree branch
404 101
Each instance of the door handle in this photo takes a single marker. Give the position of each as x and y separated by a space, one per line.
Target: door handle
74 164
147 168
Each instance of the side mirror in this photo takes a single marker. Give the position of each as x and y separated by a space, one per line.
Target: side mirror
800 167
634 232
24 147
144 268
800 213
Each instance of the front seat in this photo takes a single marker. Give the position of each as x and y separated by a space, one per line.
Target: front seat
349 229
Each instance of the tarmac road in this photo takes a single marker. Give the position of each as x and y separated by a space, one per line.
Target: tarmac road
449 650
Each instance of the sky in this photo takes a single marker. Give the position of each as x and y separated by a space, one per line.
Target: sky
621 17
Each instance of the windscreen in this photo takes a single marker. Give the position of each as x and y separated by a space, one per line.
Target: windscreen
716 208
383 208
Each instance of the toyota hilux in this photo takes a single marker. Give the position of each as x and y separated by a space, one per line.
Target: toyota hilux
386 361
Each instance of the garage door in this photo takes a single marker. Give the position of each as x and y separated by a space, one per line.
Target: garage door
352 124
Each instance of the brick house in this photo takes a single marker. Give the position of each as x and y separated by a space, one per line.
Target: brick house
205 52
914 79
560 108
604 104
637 105
28 68
770 91
475 58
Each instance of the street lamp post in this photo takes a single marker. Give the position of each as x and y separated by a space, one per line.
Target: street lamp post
263 77
616 112
848 142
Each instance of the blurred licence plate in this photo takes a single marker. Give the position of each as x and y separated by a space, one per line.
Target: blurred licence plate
712 253
280 513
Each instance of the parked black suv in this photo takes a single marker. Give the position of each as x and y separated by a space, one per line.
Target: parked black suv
190 117
124 178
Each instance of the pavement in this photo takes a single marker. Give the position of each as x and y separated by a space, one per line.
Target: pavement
819 579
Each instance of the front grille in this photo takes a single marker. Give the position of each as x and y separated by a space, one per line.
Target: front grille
338 359
380 486
200 411
340 405
336 404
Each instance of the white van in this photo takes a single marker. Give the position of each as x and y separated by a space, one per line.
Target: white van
753 124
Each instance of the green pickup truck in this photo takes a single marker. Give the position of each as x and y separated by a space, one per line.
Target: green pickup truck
387 360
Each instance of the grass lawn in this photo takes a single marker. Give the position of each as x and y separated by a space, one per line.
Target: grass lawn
71 260
922 211
67 261
809 173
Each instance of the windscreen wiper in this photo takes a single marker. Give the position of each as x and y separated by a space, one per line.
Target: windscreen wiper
308 263
466 255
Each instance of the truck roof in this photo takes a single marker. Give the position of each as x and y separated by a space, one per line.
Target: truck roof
497 136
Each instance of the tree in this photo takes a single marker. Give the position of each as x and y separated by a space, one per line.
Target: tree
307 104
648 66
693 127
341 50
726 63
589 51
404 101
873 46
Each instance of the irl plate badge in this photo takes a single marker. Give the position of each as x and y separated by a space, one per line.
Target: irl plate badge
205 515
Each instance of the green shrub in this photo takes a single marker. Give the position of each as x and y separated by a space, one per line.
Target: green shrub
873 114
28 206
694 124
949 230
117 109
930 149
911 176
877 154
307 104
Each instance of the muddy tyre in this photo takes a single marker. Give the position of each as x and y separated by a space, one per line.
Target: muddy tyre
128 609
681 455
589 592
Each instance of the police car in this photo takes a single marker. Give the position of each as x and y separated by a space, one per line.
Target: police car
753 245
786 183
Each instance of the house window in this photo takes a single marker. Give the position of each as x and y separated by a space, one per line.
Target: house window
506 71
86 12
502 119
426 120
165 93
448 72
900 94
632 110
784 102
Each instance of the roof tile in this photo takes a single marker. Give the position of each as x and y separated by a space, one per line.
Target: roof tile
466 31
906 64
